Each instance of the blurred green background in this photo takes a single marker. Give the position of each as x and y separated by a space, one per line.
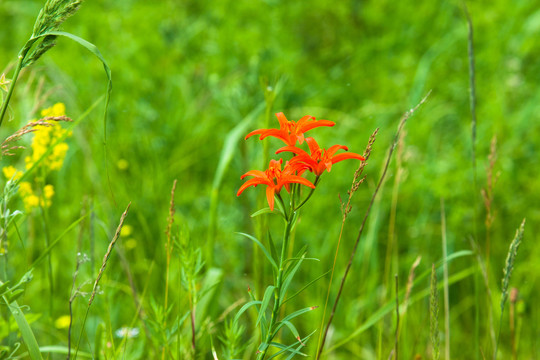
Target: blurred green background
186 73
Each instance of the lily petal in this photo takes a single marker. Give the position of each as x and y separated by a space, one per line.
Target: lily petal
345 156
270 191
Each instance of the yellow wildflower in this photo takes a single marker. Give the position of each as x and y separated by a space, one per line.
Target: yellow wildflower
30 200
130 243
11 173
62 322
45 137
48 191
126 231
57 109
122 164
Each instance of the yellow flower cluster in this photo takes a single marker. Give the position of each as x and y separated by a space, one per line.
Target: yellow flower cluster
44 138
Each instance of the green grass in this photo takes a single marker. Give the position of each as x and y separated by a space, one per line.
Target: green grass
189 81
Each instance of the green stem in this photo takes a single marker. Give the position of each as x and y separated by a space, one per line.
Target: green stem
279 280
11 88
317 179
46 232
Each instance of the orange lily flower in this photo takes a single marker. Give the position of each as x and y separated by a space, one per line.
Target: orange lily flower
291 131
274 178
320 159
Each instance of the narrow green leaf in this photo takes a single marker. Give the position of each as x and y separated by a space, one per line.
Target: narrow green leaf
266 300
273 249
298 313
289 317
289 278
285 349
26 331
245 307
56 349
3 287
290 349
15 294
292 328
306 286
302 344
265 252
267 210
100 330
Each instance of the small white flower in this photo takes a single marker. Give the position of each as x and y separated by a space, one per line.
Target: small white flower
127 332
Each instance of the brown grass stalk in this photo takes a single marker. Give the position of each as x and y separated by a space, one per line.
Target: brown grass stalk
170 222
345 210
108 254
404 119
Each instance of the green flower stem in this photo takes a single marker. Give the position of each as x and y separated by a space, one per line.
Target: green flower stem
11 88
317 179
290 220
279 280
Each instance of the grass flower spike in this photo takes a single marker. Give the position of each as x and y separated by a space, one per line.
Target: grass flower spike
320 159
291 131
274 178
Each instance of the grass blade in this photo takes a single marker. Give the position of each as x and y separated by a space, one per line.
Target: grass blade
26 331
265 251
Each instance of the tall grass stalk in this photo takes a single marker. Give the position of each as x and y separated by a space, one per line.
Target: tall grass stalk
346 208
396 336
392 246
101 272
434 314
507 274
404 119
446 292
472 103
80 258
47 234
513 299
168 247
168 254
472 86
487 195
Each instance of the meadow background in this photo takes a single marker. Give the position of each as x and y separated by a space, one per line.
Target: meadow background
186 74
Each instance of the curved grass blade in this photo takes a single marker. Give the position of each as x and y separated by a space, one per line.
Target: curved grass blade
290 349
292 328
273 249
290 276
267 210
298 313
56 349
306 286
245 307
26 331
265 251
264 304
